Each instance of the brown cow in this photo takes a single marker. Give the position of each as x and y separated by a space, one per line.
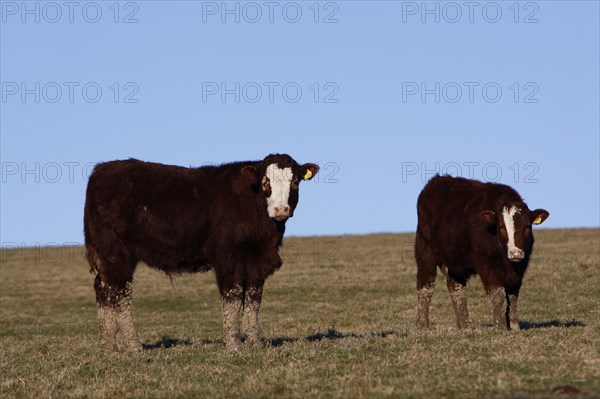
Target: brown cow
230 218
467 227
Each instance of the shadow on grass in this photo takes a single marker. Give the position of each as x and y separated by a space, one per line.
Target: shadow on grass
166 342
330 334
529 325
207 341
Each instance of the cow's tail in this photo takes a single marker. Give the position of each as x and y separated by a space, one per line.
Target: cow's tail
91 254
93 259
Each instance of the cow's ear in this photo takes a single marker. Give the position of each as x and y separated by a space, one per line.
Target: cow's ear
249 172
539 215
308 171
488 217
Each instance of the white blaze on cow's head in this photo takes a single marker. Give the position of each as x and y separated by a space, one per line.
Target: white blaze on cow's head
508 217
278 177
278 181
513 228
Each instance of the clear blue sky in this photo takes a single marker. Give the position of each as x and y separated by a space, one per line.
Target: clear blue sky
374 124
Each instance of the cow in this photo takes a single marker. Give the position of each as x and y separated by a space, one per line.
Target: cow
230 218
467 227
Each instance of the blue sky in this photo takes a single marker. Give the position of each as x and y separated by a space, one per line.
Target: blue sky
380 93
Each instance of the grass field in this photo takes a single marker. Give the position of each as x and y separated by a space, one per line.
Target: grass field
337 319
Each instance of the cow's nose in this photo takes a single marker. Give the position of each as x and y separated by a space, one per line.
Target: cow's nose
282 211
516 254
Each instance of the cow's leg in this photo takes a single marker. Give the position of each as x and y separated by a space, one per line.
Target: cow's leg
125 319
497 298
458 292
107 317
250 325
512 314
426 274
113 295
231 304
424 294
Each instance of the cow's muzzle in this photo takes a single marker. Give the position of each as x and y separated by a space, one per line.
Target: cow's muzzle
516 255
282 213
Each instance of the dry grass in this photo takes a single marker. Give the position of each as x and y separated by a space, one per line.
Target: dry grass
338 319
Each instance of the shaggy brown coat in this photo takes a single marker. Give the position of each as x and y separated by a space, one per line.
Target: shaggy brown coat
461 229
179 219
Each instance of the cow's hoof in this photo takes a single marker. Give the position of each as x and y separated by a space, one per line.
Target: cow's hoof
254 342
422 325
110 350
233 345
135 348
232 348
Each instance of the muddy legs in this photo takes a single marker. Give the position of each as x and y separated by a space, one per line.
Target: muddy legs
427 264
125 320
497 299
424 294
458 293
115 312
512 315
107 325
250 325
232 303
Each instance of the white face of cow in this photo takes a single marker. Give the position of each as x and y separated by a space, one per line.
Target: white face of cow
280 182
514 253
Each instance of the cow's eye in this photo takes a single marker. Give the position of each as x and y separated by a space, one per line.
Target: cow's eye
527 230
266 184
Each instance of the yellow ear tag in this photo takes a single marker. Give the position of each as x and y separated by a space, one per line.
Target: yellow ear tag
537 220
308 174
